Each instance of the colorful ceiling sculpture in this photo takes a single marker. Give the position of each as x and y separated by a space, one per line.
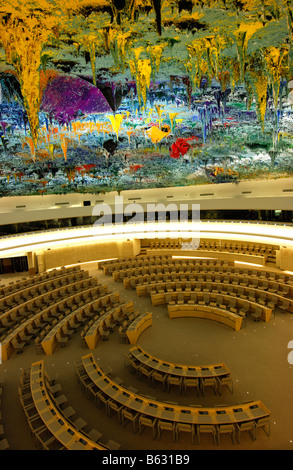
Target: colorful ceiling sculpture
150 93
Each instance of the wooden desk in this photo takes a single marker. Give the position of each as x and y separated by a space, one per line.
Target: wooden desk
141 323
160 299
206 312
176 413
190 371
53 419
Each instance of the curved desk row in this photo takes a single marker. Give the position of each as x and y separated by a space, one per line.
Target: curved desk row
7 346
180 370
224 255
241 280
252 294
60 427
46 297
111 265
50 342
207 313
16 299
232 414
209 269
171 266
35 280
106 320
241 307
160 261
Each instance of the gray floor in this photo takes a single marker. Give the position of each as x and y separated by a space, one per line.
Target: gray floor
257 356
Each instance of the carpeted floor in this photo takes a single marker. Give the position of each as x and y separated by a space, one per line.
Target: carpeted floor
257 356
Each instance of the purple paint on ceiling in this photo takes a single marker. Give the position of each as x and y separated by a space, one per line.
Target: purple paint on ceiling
65 96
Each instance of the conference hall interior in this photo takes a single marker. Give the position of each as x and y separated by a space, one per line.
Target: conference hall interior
146 225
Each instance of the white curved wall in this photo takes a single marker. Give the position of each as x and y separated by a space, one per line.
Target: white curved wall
260 195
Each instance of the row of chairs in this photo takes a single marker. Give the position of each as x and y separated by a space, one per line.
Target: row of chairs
27 323
70 314
183 383
141 421
11 319
265 299
223 302
67 319
237 247
120 270
270 279
147 262
42 435
140 257
34 280
234 430
33 292
285 290
106 318
267 250
169 244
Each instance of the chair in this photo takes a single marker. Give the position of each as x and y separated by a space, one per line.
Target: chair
67 331
225 382
113 407
248 426
256 315
122 334
206 429
128 415
183 427
102 399
225 429
174 381
45 438
158 377
94 435
104 333
79 424
62 340
145 372
18 346
209 382
284 305
264 424
192 383
146 422
113 445
193 298
166 426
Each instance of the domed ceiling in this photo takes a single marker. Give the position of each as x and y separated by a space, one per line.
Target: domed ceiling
116 95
